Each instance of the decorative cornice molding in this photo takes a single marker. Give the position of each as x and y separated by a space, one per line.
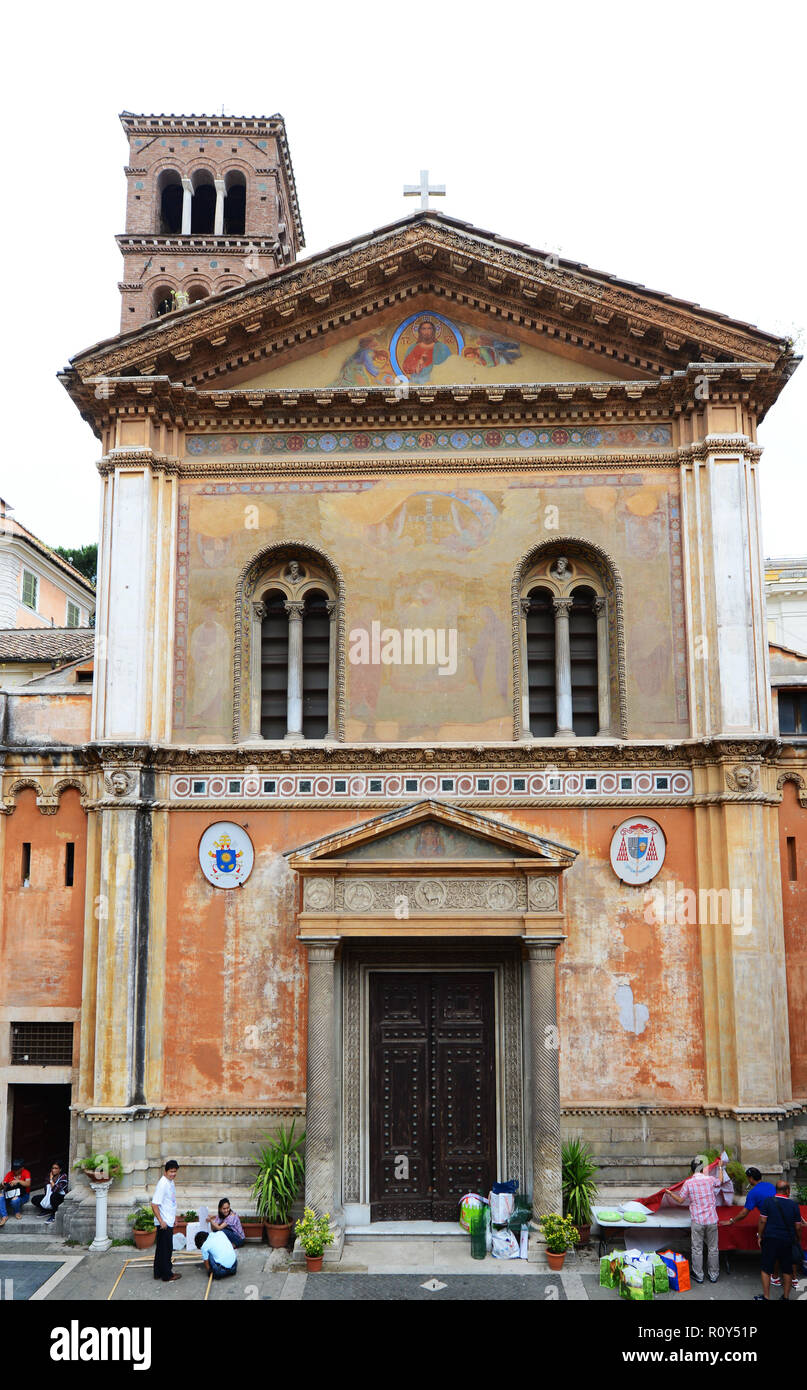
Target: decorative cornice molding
429 255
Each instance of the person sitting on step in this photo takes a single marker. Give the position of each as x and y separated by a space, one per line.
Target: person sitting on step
55 1192
16 1191
228 1222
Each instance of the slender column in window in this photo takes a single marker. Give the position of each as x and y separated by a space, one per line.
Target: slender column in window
218 220
187 203
332 608
563 668
603 684
294 718
525 732
258 615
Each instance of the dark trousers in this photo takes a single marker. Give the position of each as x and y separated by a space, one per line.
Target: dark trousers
163 1250
218 1271
56 1200
235 1240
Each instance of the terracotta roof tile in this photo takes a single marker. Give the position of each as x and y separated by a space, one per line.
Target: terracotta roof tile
46 643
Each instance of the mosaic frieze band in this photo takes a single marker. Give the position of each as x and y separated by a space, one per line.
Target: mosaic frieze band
426 441
672 782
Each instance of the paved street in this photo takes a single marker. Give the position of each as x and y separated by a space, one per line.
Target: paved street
420 1269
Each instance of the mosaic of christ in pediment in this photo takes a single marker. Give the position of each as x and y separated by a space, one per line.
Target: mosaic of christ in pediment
418 346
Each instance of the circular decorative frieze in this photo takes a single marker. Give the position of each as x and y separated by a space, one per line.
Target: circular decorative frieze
638 848
430 894
358 897
501 896
226 855
318 894
542 894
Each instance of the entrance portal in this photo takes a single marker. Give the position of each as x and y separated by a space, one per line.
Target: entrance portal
432 1093
40 1129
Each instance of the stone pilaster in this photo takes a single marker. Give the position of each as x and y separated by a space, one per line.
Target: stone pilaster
547 1195
322 1117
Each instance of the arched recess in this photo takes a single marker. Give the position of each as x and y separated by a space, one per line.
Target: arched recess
590 574
235 203
169 203
196 291
203 205
290 572
19 785
162 300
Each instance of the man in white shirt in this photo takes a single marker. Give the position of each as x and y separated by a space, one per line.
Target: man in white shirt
218 1253
164 1206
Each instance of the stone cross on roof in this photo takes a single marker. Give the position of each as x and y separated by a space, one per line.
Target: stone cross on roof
411 190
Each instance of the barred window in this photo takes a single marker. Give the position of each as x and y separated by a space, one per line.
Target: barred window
42 1044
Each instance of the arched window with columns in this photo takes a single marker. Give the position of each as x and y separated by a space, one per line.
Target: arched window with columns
569 672
289 614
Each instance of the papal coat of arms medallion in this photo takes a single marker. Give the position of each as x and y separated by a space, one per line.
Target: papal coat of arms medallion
226 855
638 848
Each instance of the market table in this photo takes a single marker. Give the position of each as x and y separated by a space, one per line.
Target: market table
645 1235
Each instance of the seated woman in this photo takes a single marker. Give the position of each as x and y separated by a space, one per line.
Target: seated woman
54 1194
228 1222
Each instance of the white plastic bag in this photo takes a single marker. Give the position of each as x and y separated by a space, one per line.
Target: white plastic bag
502 1206
504 1246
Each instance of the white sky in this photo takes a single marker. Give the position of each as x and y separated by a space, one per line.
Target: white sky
662 143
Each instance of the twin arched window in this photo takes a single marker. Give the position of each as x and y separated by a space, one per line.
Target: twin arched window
565 650
294 652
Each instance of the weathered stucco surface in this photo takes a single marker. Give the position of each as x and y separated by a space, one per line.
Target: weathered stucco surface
435 551
43 925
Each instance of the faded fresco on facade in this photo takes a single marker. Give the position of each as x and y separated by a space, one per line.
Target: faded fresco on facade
429 347
434 553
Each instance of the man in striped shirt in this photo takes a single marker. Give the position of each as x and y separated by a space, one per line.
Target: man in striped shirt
698 1193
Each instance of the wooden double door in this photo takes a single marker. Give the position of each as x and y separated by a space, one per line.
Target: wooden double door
432 1092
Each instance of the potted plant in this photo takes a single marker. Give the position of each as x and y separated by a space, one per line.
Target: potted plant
143 1228
253 1227
182 1220
579 1187
279 1177
100 1167
314 1233
560 1233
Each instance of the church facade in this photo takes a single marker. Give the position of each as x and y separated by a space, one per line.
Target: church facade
432 794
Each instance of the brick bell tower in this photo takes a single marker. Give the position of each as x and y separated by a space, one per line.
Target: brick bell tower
211 204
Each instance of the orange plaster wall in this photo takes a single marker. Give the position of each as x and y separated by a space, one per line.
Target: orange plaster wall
610 946
236 977
793 821
43 925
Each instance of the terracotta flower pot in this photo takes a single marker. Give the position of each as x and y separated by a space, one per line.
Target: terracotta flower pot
278 1236
554 1260
313 1263
584 1234
143 1239
181 1227
253 1230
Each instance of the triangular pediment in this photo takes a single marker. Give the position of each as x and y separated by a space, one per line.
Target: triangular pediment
432 832
565 322
421 345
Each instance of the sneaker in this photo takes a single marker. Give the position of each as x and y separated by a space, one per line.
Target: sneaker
698 1278
760 1298
51 1219
713 1278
